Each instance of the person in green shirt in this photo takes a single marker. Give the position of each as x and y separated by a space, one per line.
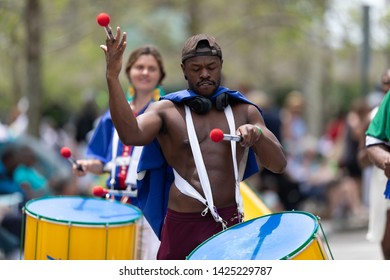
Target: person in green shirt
377 143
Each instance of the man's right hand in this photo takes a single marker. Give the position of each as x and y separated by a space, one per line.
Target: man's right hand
113 51
93 166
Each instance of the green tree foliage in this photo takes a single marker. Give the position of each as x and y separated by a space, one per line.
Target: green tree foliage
272 45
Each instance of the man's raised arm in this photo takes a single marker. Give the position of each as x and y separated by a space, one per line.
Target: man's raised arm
121 113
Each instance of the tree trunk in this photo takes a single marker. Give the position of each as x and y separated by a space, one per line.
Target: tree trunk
33 63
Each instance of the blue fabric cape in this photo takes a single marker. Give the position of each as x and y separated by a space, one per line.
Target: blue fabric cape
153 188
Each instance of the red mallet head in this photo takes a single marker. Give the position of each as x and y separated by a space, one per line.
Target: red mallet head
216 135
99 191
103 19
66 152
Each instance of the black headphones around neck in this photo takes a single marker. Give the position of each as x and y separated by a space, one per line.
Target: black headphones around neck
202 105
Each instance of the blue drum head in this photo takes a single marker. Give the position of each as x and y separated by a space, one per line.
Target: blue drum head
270 237
82 210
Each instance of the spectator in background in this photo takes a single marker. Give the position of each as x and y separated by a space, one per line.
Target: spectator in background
293 130
351 172
277 190
271 113
10 219
373 100
27 175
332 141
85 120
377 151
10 160
18 121
294 127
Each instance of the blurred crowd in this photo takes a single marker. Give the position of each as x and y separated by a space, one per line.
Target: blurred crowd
32 167
324 175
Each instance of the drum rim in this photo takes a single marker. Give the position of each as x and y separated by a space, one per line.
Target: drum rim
67 222
287 256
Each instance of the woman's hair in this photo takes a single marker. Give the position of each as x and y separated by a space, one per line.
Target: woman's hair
145 50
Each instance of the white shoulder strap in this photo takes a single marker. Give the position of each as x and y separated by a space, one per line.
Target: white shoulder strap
185 188
115 142
131 177
200 167
232 128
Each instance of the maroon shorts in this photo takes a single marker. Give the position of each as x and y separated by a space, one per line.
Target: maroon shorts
183 232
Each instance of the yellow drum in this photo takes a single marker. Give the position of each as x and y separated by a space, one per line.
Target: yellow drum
80 228
253 205
291 235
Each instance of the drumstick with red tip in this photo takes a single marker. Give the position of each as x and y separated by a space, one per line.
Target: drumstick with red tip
123 195
103 19
217 135
100 191
67 153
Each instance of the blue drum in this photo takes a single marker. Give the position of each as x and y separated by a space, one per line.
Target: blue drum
286 235
80 228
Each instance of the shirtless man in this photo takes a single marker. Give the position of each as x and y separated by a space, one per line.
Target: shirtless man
187 222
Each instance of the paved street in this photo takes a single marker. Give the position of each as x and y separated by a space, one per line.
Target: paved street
351 244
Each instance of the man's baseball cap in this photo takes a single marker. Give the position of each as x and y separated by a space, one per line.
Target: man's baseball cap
190 47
